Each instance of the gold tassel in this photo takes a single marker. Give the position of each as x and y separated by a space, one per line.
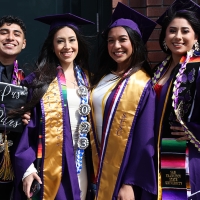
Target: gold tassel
6 170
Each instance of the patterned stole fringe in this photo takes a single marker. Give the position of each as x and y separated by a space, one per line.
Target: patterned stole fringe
174 169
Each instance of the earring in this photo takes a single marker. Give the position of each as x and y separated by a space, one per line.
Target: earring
196 46
165 45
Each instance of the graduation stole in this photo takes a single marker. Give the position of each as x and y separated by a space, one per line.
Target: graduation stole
174 176
53 105
6 170
117 127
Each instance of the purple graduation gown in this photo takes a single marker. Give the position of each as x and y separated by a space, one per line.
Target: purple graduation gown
194 127
27 151
138 167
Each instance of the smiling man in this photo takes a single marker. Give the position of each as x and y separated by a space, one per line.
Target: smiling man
12 41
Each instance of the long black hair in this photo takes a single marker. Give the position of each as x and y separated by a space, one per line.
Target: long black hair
46 67
190 16
138 58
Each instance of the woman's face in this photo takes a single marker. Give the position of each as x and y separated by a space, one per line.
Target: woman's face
65 45
119 46
180 37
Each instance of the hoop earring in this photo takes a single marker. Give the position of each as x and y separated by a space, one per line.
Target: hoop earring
196 46
165 45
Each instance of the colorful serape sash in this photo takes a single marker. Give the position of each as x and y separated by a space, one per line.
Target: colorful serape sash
174 169
118 124
190 74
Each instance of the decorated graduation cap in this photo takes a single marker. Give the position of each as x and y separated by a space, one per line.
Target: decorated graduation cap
179 5
126 16
63 20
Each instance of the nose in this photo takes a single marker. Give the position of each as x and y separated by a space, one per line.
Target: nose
117 44
10 36
178 35
66 45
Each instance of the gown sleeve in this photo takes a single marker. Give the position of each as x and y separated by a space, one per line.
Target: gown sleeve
140 169
194 122
26 150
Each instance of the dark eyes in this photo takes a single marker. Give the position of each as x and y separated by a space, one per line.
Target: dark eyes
183 31
120 40
110 41
59 41
70 40
6 32
17 34
3 32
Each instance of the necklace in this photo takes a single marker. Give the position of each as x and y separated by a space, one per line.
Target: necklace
73 82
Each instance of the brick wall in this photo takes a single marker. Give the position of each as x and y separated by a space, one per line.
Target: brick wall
152 9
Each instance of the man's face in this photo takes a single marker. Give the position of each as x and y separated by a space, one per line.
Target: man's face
12 40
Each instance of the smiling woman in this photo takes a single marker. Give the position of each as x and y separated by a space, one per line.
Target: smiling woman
56 155
120 48
177 84
65 46
121 99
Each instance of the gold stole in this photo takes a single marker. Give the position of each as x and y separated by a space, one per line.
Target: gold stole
118 135
52 169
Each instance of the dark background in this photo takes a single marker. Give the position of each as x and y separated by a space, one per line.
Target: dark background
27 10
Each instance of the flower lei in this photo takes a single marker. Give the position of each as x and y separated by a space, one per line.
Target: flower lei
175 101
84 127
158 72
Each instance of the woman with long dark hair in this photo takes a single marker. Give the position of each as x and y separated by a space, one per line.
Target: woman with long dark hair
176 82
123 105
54 144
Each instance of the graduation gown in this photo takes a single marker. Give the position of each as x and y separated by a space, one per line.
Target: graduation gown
191 117
67 185
127 153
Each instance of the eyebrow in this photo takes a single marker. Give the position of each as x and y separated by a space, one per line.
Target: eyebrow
119 36
60 37
181 27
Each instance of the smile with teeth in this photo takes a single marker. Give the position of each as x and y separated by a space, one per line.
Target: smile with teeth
119 53
67 54
9 45
178 44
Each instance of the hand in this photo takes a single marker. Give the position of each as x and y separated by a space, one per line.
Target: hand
126 193
27 182
26 118
180 132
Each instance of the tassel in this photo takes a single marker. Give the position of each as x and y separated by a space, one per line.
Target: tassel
6 170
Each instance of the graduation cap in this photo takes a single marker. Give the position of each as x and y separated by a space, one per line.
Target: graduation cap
179 5
63 20
126 16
